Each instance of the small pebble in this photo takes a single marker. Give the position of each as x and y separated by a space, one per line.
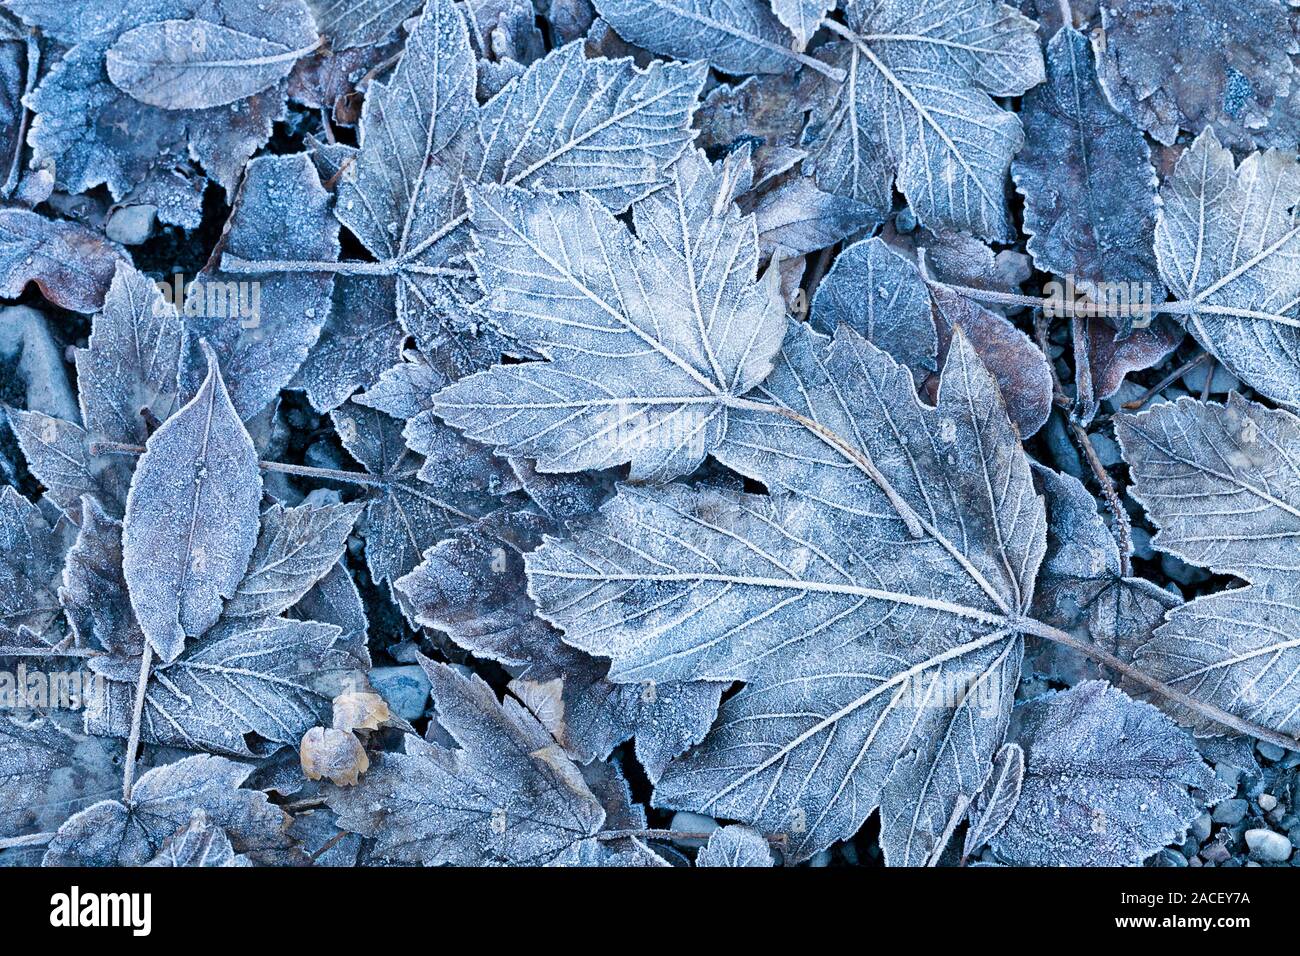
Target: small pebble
1267 802
1267 846
1222 382
131 225
1201 827
1270 751
405 689
821 859
1107 450
1230 812
1142 544
685 822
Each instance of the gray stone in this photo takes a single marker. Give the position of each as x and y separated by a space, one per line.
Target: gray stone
1201 827
1267 802
1107 450
1182 572
1270 751
685 822
25 336
1231 812
1222 382
131 225
1142 544
1267 846
405 689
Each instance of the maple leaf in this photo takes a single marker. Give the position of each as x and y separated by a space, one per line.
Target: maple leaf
847 602
1228 244
1220 482
917 109
648 337
131 833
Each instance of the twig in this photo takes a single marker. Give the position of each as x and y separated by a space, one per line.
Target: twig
1165 382
137 718
304 471
85 652
32 839
1121 528
1214 713
329 844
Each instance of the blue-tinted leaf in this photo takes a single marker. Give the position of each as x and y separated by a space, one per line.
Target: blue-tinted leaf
191 518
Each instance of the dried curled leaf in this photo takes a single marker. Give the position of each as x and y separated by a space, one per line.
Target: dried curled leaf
191 518
333 753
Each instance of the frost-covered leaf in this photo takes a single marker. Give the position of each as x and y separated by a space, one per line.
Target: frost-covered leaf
94 594
246 687
802 17
882 296
133 362
566 124
508 795
799 218
997 799
112 833
91 132
844 605
735 36
1223 485
648 336
30 557
735 846
1228 241
191 518
1106 781
47 774
198 843
917 109
471 587
361 338
197 64
1085 173
296 547
353 23
58 454
72 265
404 515
1082 588
1230 68
263 328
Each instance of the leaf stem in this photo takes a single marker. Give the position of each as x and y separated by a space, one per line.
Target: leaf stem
137 718
1214 713
303 471
32 839
49 652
